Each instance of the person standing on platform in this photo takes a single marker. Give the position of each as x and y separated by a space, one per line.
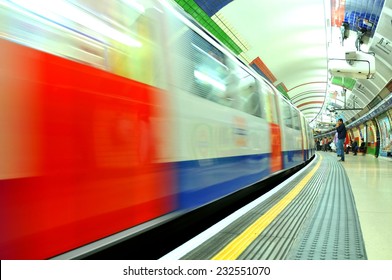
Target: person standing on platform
341 130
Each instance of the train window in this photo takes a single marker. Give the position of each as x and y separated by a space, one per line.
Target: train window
119 36
248 98
296 120
209 69
220 79
131 30
286 114
269 109
21 25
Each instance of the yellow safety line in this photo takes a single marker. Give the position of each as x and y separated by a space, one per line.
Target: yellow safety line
241 242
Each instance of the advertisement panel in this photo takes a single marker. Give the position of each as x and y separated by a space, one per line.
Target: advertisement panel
385 135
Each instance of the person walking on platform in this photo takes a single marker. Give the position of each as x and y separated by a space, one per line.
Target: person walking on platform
341 130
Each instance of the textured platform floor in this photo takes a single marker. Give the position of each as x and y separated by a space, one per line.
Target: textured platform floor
371 182
320 221
332 230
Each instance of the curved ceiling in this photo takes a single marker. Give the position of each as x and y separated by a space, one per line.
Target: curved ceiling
291 42
290 38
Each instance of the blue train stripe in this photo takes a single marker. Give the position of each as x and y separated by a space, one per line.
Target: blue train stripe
292 158
203 181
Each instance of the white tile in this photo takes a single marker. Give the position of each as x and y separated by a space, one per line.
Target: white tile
370 180
377 230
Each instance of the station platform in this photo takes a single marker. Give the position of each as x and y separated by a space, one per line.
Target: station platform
329 210
370 180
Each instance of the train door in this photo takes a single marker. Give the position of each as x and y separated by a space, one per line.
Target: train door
271 112
304 133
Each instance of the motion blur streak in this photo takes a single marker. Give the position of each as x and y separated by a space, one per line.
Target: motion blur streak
115 113
78 146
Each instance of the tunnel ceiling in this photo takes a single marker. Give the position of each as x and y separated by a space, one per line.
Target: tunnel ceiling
291 42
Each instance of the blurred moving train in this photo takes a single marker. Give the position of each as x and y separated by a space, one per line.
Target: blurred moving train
115 113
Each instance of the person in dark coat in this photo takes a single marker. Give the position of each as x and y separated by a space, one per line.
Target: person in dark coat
341 130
